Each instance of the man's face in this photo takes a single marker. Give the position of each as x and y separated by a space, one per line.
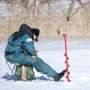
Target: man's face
35 37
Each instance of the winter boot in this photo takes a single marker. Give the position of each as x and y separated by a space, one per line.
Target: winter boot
58 76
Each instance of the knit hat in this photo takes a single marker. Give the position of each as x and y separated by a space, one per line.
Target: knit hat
36 32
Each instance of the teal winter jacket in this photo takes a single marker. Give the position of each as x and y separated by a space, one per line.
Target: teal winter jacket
20 47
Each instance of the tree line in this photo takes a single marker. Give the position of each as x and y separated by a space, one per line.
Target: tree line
49 16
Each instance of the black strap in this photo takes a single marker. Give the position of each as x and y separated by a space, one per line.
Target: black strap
10 44
9 52
26 51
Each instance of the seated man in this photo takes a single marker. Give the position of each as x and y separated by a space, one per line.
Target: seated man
20 49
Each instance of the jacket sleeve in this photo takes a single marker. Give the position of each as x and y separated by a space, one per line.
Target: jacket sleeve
28 46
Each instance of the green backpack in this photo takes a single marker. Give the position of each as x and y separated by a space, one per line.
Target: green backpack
29 72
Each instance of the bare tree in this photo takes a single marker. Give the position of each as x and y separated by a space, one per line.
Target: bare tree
24 3
70 9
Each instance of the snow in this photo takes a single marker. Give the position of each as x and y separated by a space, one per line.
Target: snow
3 9
53 54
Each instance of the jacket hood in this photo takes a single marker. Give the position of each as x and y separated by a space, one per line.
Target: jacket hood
30 31
26 29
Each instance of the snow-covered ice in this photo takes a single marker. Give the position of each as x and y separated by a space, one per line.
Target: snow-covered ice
53 54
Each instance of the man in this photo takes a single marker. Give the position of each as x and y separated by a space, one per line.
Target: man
20 49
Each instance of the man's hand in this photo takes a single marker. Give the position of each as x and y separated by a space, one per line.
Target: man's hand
36 50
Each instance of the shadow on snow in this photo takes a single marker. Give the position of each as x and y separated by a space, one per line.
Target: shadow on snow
15 77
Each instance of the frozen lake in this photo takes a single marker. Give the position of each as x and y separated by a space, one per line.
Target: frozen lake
53 54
